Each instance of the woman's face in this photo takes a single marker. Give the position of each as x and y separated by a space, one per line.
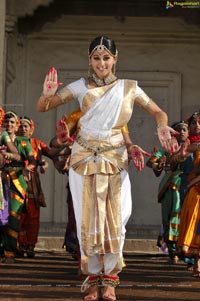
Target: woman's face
11 125
194 127
25 129
102 63
183 130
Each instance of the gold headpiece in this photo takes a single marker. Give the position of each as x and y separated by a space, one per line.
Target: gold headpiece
100 48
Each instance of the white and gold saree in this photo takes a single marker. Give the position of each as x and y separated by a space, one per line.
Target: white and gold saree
98 176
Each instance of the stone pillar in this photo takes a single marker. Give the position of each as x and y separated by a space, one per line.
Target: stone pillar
2 47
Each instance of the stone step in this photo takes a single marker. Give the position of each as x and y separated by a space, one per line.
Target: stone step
132 245
134 231
138 238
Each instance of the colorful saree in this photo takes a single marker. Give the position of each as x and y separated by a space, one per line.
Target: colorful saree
18 190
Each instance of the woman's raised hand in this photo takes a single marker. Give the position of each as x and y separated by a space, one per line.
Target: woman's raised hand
168 141
51 83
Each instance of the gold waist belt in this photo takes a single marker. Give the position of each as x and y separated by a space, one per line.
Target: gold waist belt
97 149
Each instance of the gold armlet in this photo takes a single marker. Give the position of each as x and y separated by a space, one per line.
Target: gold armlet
125 129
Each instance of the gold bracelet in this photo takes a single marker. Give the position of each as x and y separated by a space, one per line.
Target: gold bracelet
45 101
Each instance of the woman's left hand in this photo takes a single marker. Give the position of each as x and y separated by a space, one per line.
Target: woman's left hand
62 131
137 156
168 142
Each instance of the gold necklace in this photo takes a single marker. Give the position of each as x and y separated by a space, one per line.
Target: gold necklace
103 82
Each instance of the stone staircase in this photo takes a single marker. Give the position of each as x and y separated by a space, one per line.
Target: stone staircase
139 239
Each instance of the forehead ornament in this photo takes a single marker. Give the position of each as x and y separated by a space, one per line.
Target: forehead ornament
100 47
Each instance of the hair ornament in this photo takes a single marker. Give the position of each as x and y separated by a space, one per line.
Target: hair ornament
102 43
30 122
177 124
100 47
194 116
11 114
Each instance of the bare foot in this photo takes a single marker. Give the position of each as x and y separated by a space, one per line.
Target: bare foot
108 293
93 294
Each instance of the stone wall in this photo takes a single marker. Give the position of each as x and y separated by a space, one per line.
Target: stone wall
162 54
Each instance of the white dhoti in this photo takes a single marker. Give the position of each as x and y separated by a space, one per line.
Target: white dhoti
112 262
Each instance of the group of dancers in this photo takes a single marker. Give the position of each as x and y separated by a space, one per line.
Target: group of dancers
97 152
22 160
179 194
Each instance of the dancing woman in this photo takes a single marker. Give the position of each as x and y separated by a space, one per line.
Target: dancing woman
169 190
189 237
8 152
98 175
18 176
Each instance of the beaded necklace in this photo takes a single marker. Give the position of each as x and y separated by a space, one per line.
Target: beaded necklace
106 81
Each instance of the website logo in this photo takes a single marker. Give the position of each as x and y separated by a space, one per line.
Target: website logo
186 4
169 5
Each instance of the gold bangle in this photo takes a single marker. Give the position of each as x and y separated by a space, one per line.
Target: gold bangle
45 101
